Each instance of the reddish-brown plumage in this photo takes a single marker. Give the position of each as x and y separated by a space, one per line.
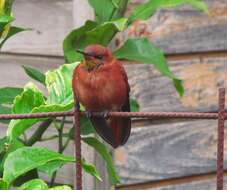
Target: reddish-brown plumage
100 84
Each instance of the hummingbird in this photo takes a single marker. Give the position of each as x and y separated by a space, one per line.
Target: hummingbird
100 84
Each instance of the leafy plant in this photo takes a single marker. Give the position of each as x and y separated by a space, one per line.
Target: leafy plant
6 18
18 156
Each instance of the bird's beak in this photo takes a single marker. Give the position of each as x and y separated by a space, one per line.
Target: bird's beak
87 55
83 53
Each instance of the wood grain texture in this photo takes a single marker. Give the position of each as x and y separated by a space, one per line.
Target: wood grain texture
82 11
184 29
12 73
171 150
50 21
180 30
198 184
201 80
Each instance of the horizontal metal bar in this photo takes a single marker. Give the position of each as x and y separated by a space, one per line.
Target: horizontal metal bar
150 115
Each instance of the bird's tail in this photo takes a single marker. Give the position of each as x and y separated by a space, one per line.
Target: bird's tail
114 131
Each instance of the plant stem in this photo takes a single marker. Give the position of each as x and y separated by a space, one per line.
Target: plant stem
37 135
60 147
48 138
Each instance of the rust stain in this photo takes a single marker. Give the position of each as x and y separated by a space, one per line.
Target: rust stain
218 11
139 29
201 82
120 155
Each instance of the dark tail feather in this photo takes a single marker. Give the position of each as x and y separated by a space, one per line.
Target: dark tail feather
114 131
104 130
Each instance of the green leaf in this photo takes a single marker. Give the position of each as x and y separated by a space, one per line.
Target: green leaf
51 167
59 85
64 187
104 153
103 9
86 127
4 20
60 98
146 10
32 101
3 185
7 94
70 42
35 184
35 74
89 168
6 148
90 33
31 97
13 30
27 158
134 106
142 50
33 174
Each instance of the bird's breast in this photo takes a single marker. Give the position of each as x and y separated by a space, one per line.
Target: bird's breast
101 89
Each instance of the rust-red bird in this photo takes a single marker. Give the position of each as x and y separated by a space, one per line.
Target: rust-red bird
100 83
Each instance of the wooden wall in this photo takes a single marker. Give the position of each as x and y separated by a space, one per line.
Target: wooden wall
179 154
160 155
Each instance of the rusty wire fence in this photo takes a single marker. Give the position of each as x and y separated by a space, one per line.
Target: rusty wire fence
221 116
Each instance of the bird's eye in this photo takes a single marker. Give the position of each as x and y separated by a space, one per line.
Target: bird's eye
99 57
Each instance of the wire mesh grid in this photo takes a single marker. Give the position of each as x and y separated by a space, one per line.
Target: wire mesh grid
221 116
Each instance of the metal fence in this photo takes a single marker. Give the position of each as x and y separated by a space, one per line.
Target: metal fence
220 115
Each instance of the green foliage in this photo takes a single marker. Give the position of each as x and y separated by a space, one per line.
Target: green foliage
104 153
103 9
35 184
7 94
146 10
86 127
3 185
13 30
6 18
59 85
142 50
91 169
64 187
27 158
90 33
134 106
35 74
6 148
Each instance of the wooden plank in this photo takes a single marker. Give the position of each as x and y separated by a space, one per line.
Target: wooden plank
184 29
50 20
179 184
13 74
82 13
171 150
201 79
156 152
181 30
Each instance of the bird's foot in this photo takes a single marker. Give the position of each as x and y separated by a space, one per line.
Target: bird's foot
77 106
88 114
105 114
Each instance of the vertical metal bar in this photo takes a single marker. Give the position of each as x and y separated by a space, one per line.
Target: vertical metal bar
77 140
220 145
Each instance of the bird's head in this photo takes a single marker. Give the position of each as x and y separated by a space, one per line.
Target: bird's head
96 55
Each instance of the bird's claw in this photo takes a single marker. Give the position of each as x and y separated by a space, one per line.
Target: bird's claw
77 106
88 114
105 114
